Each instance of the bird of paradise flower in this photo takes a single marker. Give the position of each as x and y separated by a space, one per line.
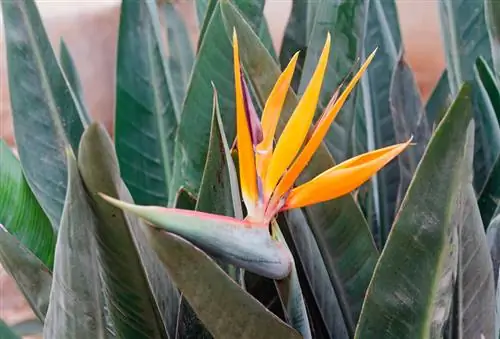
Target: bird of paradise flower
268 171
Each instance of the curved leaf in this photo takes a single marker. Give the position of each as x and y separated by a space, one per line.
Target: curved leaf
492 12
409 120
75 309
20 212
381 33
145 114
338 225
69 69
465 35
180 51
46 117
474 309
345 21
439 101
225 309
404 302
31 276
143 303
315 278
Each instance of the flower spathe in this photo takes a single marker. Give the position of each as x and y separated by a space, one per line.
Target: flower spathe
267 173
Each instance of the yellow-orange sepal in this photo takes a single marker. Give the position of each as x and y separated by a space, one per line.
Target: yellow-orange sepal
343 178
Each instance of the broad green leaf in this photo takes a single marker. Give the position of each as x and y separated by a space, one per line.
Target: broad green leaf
339 226
488 195
326 312
189 326
409 120
291 295
142 300
145 115
463 27
381 34
204 10
474 308
180 53
224 307
296 38
219 189
265 36
20 212
492 12
238 242
345 22
194 130
404 302
30 274
75 308
69 70
6 332
45 115
201 7
439 101
465 35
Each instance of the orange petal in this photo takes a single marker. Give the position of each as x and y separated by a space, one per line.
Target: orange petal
343 178
248 178
271 114
297 127
319 133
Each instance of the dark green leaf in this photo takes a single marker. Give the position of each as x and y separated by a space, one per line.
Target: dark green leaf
464 31
291 295
492 12
474 309
345 22
194 130
439 101
219 189
404 302
339 226
180 51
145 115
20 212
226 310
265 36
490 93
409 121
6 332
314 274
46 117
381 33
143 301
204 10
185 200
296 38
69 69
75 309
31 276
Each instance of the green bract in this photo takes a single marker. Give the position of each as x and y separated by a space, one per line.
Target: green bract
414 253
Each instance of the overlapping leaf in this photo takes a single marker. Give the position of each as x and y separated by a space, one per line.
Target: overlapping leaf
339 227
20 212
76 305
143 303
401 302
145 114
45 115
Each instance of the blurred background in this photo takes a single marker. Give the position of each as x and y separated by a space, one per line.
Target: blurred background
90 30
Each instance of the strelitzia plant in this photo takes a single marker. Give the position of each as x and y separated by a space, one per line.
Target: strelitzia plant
267 174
